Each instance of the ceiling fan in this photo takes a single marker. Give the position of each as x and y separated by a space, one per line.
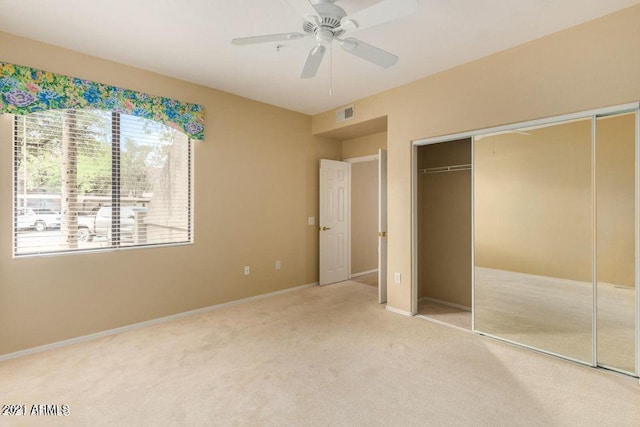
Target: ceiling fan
327 22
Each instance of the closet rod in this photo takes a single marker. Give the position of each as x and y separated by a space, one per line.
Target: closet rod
441 169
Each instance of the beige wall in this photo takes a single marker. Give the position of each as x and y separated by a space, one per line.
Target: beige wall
364 146
533 201
255 183
444 224
364 216
592 65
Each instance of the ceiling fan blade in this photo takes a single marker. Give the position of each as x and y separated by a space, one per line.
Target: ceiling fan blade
303 7
385 11
267 38
368 52
313 62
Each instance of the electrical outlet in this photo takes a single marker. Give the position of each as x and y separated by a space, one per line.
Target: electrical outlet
397 278
278 264
247 270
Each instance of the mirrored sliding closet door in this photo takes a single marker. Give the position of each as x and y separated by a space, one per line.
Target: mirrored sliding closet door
533 237
615 241
556 238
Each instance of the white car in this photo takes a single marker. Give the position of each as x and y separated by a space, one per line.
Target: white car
25 218
46 218
127 220
86 230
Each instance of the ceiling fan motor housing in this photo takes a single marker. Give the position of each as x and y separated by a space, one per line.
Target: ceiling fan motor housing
325 28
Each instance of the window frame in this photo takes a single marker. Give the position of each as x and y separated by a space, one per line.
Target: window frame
115 165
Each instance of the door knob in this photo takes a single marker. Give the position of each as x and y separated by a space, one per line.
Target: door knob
325 228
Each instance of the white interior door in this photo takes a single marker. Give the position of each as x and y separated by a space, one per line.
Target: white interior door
334 221
382 226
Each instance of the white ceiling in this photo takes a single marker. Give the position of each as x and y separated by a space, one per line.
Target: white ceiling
190 39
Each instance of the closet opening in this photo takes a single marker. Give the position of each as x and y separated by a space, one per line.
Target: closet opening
443 219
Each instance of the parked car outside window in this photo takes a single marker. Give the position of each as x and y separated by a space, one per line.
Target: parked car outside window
46 218
25 218
86 224
127 221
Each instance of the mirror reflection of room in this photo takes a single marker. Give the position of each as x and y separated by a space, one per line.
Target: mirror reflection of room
533 228
539 238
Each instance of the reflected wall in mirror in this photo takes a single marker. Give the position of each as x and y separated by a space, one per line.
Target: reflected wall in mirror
533 234
615 231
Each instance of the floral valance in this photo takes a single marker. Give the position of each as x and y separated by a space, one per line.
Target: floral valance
24 90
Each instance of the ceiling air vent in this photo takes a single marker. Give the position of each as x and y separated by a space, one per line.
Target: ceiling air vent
344 114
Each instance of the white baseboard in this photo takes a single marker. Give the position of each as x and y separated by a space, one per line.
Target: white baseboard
139 325
450 304
363 273
526 276
398 311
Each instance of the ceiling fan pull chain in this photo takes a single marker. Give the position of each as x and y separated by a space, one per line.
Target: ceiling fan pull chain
331 68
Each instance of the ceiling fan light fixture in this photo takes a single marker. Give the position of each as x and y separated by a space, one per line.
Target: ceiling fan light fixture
324 37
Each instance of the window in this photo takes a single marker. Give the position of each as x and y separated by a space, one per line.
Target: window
93 179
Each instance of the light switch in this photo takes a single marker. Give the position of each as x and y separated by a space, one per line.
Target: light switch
311 220
397 278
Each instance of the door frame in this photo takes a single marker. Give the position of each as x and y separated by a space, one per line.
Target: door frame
362 159
630 107
383 244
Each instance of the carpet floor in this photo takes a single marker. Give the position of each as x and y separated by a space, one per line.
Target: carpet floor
370 279
556 315
444 313
321 356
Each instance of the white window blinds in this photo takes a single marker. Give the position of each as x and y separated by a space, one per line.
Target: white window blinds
92 179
